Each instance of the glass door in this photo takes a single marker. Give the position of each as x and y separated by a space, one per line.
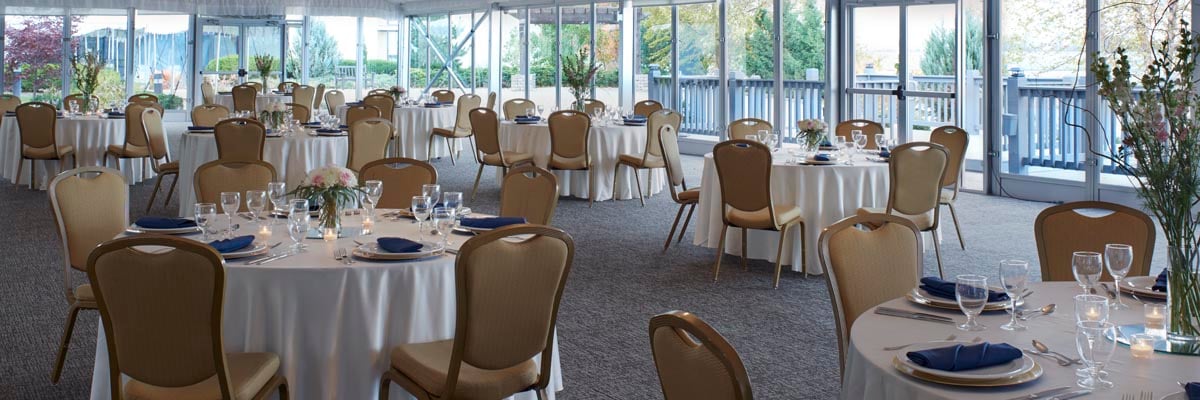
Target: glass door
227 48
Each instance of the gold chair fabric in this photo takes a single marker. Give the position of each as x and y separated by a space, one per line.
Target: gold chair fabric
244 98
915 173
136 140
209 114
287 86
299 111
647 107
870 128
443 95
402 178
686 198
77 100
334 99
360 112
208 93
569 133
694 361
1087 226
240 139
318 96
37 123
747 128
491 102
305 95
143 98
485 126
157 138
517 107
461 128
368 141
955 140
9 103
651 157
258 86
214 177
530 192
591 106
384 102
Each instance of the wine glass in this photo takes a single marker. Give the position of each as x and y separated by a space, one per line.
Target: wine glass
443 222
298 217
880 141
1118 258
205 213
1087 268
1014 275
971 292
277 192
230 202
860 141
373 190
541 110
433 192
1095 350
452 201
256 202
420 210
839 142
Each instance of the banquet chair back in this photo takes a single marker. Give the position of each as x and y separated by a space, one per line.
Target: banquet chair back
300 112
209 114
384 102
443 95
669 141
135 132
870 128
318 96
517 107
244 98
530 192
143 98
915 175
162 315
156 139
491 103
9 103
653 154
486 128
77 100
403 178
304 95
744 172
368 141
868 260
91 206
373 92
37 121
208 93
287 86
646 107
218 176
462 119
591 106
333 100
359 112
569 131
1087 226
240 139
258 86
954 139
694 361
747 128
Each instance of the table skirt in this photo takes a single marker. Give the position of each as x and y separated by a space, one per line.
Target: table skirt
90 136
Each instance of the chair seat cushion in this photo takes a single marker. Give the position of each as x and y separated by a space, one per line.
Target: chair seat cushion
689 196
46 153
166 168
761 219
451 133
128 152
922 221
572 163
426 365
511 157
637 162
248 373
946 197
83 293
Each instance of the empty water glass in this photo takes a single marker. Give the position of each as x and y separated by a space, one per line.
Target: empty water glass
443 222
971 292
1087 267
452 201
277 192
372 191
256 202
1014 276
1118 258
230 202
420 209
433 192
297 230
1095 350
205 213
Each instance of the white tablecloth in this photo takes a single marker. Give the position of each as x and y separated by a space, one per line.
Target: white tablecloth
259 101
605 144
825 194
91 137
870 374
413 126
292 157
333 325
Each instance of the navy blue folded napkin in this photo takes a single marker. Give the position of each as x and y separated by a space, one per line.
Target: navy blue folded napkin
344 127
354 103
224 92
200 128
527 120
231 245
945 289
116 114
1160 283
492 222
1193 390
884 152
316 123
826 144
433 105
10 113
164 223
323 130
398 245
821 157
962 357
445 103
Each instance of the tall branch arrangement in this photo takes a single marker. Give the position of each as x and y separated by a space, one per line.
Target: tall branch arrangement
579 70
264 63
86 70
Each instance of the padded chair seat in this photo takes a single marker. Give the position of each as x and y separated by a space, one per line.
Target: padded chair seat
511 157
946 197
46 153
557 162
923 221
636 161
170 167
83 294
451 133
426 365
248 373
761 219
128 152
689 196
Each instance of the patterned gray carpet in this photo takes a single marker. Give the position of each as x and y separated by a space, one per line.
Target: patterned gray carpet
619 281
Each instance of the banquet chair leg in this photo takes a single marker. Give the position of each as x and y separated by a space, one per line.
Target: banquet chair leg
471 140
72 315
779 254
32 172
542 395
671 235
429 149
957 228
685 223
592 187
17 179
803 251
476 187
154 193
937 250
720 252
171 191
385 386
450 151
637 181
745 267
616 170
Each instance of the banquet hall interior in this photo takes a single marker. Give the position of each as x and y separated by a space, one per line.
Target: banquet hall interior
594 199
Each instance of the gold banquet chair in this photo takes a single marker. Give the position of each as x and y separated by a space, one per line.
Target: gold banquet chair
334 99
590 106
530 192
305 95
209 114
402 179
870 128
915 172
569 137
651 157
384 92
868 260
161 313
208 93
1063 229
647 107
218 176
368 142
517 107
744 171
9 103
245 98
143 98
485 126
955 140
157 139
37 123
461 129
747 128
359 112
240 139
300 112
318 96
694 361
286 86
507 298
384 102
491 102
258 86
135 146
91 206
684 197
443 95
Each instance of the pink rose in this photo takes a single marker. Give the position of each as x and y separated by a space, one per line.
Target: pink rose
318 180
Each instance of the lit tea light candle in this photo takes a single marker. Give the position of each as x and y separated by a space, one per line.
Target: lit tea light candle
367 225
329 234
1092 314
1141 345
264 232
1156 318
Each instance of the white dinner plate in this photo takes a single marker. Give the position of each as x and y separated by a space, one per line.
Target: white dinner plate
202 131
1175 396
920 296
1142 286
340 133
371 251
814 161
1003 371
254 249
134 228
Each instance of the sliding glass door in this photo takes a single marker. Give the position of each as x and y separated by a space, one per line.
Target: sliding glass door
227 48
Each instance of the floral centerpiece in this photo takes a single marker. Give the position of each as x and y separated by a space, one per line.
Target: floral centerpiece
87 76
578 73
397 92
272 115
332 187
812 132
264 63
1161 150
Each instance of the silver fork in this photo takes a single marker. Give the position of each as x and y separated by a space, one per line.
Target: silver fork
977 339
1144 396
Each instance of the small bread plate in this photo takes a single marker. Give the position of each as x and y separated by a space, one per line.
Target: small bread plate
815 161
920 296
371 251
1142 286
1015 372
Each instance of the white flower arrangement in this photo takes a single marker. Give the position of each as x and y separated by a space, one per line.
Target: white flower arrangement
812 131
335 186
330 176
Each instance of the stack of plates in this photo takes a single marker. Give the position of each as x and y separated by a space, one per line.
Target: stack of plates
255 249
371 251
1142 286
813 161
134 228
1015 372
920 296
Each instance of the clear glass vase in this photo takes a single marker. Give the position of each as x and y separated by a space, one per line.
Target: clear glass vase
1183 295
330 216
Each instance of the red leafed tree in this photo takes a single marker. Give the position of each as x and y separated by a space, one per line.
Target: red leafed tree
34 45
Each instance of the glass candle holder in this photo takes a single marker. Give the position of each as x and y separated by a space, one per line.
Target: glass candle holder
1156 319
1089 307
1142 345
264 232
329 234
368 224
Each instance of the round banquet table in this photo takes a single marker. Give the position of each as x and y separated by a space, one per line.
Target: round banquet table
260 100
825 194
869 372
292 156
334 325
413 126
91 136
605 144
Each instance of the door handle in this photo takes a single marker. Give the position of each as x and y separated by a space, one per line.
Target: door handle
899 92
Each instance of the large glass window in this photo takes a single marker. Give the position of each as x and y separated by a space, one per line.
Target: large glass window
332 43
576 37
750 26
699 82
439 35
652 55
33 51
460 27
379 51
479 49
803 62
162 56
418 56
103 33
512 54
608 53
218 52
295 48
543 69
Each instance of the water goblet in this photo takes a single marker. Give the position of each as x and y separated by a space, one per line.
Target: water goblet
205 213
256 202
839 143
230 202
443 222
971 292
1087 267
860 142
373 190
880 141
1014 275
421 206
1095 350
277 192
433 192
1090 307
1118 258
297 208
452 201
297 230
541 110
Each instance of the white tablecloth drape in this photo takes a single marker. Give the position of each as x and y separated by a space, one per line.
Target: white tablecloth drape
292 156
824 193
413 126
333 325
259 101
605 144
91 137
870 375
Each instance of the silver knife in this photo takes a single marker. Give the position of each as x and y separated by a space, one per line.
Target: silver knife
282 256
912 316
933 316
1072 395
1042 394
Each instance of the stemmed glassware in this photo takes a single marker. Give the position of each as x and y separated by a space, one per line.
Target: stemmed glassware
1095 350
277 192
860 141
443 222
840 143
205 213
541 110
230 202
971 292
372 191
1014 275
880 140
256 202
453 202
433 192
1087 268
420 209
1118 258
298 217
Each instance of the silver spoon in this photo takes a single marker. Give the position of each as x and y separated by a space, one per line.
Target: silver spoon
1057 360
1042 348
1046 309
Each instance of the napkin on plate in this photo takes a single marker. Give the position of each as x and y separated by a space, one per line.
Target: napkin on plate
945 289
527 119
329 130
164 223
961 357
116 114
1193 390
200 128
231 245
1160 284
826 144
398 245
314 123
492 222
821 157
433 105
884 152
